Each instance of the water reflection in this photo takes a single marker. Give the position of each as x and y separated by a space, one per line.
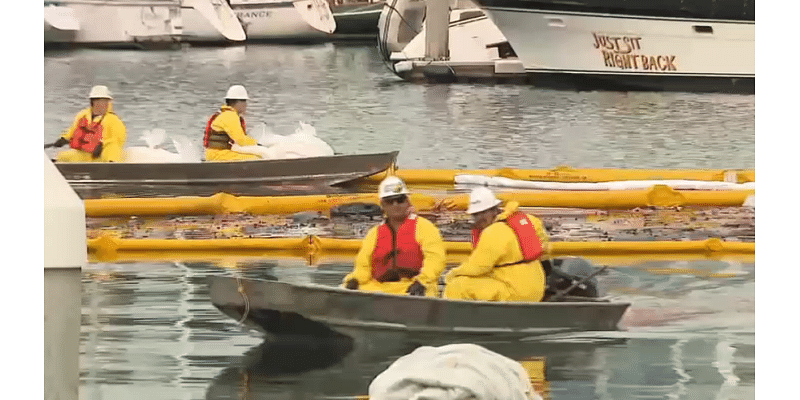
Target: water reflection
287 366
150 331
345 366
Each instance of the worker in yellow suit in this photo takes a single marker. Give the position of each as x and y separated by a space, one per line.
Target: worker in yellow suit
96 134
404 254
227 127
504 264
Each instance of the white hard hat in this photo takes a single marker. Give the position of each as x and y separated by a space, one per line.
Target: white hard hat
236 92
392 186
100 92
481 199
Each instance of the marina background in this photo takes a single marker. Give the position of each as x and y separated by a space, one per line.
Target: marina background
692 131
358 106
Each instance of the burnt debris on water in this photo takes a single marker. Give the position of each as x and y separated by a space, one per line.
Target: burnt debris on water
352 221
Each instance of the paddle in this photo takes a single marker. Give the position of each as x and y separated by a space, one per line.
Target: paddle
49 145
564 292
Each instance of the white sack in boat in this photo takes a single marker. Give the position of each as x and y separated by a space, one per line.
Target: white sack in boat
187 152
498 181
302 143
154 137
141 154
150 154
453 372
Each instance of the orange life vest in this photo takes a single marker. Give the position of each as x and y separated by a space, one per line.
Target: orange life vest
87 136
209 134
528 239
397 255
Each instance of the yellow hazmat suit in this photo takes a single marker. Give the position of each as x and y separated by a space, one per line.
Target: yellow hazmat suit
478 279
228 121
432 245
114 137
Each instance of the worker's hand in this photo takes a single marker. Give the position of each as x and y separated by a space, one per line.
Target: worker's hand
416 289
97 151
60 142
352 284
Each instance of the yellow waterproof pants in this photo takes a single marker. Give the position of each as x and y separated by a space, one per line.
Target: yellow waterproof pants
399 288
484 288
477 288
228 155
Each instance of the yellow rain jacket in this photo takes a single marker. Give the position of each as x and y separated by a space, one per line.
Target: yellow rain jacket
433 264
228 121
478 279
114 137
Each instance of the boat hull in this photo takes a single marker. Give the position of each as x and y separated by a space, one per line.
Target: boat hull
357 19
129 26
238 178
210 22
733 10
301 20
278 308
60 25
53 37
579 50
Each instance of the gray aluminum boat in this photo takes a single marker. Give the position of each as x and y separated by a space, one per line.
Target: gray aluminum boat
234 177
279 308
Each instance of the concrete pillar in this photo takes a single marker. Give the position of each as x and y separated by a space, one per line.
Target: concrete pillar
437 21
64 256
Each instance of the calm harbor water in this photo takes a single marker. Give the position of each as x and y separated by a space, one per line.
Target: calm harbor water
149 330
358 106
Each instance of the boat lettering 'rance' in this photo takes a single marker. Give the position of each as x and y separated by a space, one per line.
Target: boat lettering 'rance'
253 14
619 51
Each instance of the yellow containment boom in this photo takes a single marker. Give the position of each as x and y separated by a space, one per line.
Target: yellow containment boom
223 203
569 174
110 248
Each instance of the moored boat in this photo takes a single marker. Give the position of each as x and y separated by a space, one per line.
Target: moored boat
126 24
284 20
696 46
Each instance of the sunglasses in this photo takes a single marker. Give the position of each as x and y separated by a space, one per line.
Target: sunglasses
396 199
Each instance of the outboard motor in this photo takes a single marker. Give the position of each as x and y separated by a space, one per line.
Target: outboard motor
564 272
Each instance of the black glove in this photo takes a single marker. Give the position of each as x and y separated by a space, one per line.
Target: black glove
97 150
60 142
352 284
547 266
416 289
